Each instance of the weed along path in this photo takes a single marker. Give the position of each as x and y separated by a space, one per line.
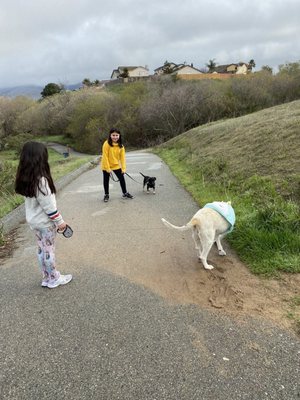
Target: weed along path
142 319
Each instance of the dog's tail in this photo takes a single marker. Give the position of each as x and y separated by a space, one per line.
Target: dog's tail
142 175
186 227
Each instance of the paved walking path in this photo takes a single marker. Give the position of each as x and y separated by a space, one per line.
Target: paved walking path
111 335
62 149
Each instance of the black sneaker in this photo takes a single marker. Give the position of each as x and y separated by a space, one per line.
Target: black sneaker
127 196
106 198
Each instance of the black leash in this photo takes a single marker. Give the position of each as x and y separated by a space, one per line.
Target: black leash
133 179
113 178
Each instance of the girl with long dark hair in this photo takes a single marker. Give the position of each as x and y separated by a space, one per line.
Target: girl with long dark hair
34 181
113 160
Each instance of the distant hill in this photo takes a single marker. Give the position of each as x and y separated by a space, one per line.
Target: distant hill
30 90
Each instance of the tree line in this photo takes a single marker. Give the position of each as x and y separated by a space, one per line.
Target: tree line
146 112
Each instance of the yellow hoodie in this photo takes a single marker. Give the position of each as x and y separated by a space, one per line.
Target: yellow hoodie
113 157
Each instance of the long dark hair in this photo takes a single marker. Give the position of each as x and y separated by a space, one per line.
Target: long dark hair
110 142
32 167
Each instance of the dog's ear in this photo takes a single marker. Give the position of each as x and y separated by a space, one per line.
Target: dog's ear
154 179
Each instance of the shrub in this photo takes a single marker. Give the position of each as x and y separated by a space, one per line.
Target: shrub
16 142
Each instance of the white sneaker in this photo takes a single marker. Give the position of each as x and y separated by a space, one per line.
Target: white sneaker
62 280
45 282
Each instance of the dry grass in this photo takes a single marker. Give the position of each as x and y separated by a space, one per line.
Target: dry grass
265 143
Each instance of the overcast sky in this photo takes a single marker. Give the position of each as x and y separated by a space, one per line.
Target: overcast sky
65 41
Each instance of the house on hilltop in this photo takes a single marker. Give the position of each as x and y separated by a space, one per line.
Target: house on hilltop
176 69
240 68
184 69
133 72
167 65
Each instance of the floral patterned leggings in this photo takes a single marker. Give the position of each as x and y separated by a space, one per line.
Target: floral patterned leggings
46 252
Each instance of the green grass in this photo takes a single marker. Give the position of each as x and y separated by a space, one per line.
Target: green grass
8 155
8 202
55 139
62 166
253 161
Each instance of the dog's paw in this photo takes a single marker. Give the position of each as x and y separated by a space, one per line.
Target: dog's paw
222 253
204 263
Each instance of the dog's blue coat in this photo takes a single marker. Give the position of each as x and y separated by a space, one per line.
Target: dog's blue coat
225 210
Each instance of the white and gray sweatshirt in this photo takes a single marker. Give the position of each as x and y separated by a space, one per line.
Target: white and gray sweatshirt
41 211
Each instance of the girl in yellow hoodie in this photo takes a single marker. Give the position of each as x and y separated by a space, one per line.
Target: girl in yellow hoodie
113 160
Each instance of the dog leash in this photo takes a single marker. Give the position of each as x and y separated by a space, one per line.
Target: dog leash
132 178
113 178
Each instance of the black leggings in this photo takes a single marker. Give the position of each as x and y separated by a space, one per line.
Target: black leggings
120 176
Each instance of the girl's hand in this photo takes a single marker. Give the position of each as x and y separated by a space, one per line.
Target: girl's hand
62 226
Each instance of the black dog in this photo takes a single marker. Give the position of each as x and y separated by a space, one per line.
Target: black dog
150 182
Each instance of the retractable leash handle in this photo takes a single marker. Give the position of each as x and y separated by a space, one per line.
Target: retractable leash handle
67 232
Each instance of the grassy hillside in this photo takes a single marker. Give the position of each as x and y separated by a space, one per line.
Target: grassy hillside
266 143
254 161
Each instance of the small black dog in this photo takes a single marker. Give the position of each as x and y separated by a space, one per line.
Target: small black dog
150 182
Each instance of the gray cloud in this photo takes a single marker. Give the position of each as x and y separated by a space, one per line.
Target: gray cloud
66 41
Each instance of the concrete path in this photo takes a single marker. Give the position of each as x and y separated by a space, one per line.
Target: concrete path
60 148
114 333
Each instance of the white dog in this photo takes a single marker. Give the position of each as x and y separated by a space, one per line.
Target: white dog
210 224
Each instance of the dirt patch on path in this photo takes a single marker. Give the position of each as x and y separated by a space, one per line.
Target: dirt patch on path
230 287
